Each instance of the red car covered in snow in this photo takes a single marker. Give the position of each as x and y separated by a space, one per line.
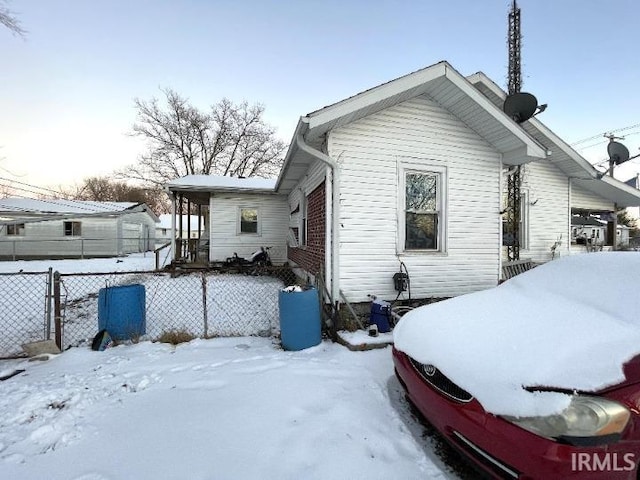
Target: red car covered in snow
595 436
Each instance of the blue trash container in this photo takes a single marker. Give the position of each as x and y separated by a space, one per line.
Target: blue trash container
122 311
299 319
380 312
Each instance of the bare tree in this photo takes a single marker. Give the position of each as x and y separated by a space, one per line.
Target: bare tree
229 139
9 20
6 191
104 189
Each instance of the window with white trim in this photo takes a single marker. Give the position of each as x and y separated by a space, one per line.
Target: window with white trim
249 221
15 229
423 213
72 229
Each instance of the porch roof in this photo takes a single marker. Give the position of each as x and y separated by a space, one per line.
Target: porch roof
198 188
444 85
568 161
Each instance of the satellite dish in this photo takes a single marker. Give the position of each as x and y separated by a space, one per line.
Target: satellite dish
520 106
618 153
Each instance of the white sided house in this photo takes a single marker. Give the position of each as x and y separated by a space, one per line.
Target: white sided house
589 234
192 227
240 215
54 228
409 177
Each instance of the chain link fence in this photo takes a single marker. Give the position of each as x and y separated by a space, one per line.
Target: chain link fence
28 248
198 303
24 309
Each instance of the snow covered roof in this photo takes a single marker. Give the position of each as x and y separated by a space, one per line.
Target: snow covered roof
213 183
587 221
41 206
540 329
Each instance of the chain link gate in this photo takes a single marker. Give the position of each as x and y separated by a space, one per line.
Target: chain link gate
25 313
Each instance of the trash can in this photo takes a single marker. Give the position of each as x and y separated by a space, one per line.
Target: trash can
380 312
122 312
299 318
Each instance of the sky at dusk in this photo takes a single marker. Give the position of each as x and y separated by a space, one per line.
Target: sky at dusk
67 89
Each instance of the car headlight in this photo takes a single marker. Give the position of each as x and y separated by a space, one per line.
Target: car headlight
586 421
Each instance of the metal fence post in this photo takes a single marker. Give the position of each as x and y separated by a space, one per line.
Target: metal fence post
204 304
48 302
57 310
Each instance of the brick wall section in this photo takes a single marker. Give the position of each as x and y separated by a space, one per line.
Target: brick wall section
311 258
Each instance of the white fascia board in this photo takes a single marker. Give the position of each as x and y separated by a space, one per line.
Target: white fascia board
375 95
542 128
301 129
533 148
632 195
589 169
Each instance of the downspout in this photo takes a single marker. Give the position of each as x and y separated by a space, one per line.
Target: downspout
328 207
335 201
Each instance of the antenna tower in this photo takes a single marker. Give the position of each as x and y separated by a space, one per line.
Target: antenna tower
514 177
514 37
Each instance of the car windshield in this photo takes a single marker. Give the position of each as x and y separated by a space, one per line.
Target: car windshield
569 324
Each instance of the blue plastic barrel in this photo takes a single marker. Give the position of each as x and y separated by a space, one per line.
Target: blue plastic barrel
122 312
380 312
299 319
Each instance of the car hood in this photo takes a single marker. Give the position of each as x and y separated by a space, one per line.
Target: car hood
569 325
631 373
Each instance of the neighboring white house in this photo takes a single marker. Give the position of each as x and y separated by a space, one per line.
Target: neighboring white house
241 215
408 177
54 228
589 234
190 227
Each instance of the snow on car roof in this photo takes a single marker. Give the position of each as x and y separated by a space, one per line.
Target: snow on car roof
569 324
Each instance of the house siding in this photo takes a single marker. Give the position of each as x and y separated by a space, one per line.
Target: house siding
547 210
311 257
99 237
583 198
225 240
422 135
138 232
547 202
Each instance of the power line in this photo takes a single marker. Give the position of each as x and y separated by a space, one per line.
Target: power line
604 133
604 142
61 194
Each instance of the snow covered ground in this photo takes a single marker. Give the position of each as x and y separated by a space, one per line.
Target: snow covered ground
134 262
211 409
